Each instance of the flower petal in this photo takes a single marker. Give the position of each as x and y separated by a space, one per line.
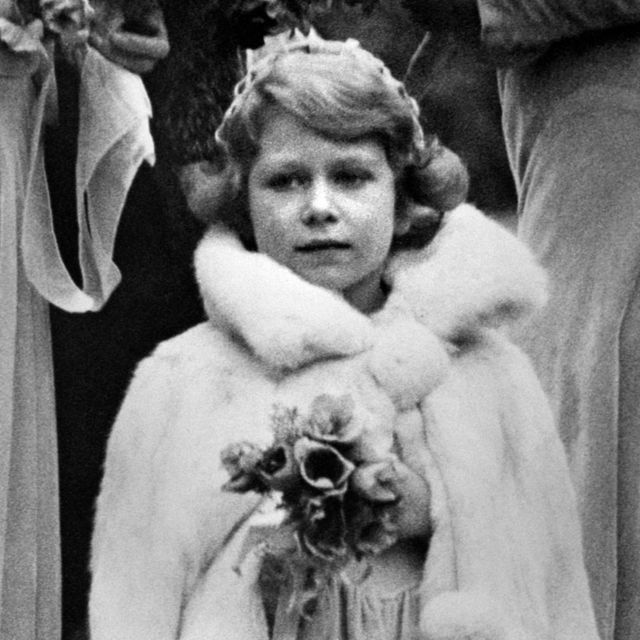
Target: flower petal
332 419
322 532
321 465
279 469
240 457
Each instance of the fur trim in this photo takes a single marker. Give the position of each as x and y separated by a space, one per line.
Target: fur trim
505 557
407 361
286 321
474 274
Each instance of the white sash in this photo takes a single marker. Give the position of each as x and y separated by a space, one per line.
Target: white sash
113 141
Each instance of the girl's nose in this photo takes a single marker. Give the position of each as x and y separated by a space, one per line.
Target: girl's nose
319 207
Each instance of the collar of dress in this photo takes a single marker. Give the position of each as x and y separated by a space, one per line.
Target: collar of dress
474 274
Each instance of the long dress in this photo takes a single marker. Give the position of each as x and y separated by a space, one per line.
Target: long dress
372 599
572 122
29 532
113 140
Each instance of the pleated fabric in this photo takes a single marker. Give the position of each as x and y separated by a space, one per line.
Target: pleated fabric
572 124
29 531
114 139
375 599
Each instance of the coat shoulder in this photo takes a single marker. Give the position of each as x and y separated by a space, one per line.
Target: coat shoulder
201 343
200 362
497 359
493 383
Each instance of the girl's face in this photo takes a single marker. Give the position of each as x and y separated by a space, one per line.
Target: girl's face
325 209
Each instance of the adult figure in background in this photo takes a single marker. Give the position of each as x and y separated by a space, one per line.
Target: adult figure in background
571 114
32 34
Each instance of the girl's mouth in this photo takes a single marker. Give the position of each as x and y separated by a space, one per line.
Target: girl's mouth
323 245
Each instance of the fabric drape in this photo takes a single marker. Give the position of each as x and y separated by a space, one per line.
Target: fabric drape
114 139
572 124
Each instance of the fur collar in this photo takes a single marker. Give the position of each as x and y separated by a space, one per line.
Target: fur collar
473 275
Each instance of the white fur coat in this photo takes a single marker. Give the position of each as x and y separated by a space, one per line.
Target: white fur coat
505 558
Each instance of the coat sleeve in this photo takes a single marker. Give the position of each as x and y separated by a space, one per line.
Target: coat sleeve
505 557
137 577
157 525
513 27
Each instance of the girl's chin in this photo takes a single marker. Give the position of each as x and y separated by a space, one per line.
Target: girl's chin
366 294
329 278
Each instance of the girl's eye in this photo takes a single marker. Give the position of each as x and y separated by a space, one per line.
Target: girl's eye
286 181
352 178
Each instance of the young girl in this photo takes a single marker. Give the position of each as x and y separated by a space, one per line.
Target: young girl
346 281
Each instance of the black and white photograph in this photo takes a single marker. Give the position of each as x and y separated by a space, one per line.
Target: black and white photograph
320 320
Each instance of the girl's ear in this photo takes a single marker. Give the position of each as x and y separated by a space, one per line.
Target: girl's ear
412 216
415 226
403 218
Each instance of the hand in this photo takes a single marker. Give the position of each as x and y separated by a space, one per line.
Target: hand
135 44
392 481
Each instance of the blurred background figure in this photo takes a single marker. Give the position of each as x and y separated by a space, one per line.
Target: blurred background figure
113 140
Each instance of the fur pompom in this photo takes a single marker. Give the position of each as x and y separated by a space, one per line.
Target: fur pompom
408 361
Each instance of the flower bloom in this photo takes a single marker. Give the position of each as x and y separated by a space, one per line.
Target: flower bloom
316 462
332 420
322 530
279 469
322 466
240 460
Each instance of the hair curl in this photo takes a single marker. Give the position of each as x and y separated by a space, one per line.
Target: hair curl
342 92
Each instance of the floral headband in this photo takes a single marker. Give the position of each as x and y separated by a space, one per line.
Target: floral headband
260 67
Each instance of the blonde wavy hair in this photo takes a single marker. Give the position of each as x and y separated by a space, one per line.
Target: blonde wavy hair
344 93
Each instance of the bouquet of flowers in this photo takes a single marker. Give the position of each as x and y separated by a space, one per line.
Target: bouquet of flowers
315 465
